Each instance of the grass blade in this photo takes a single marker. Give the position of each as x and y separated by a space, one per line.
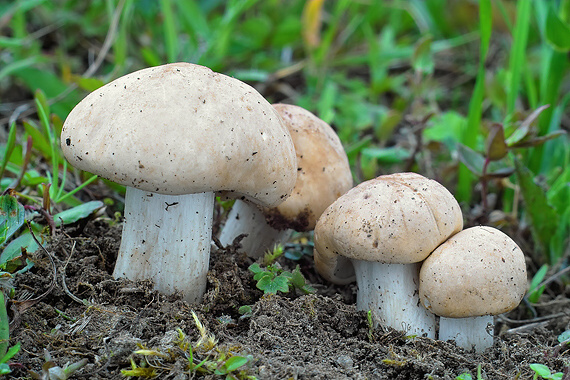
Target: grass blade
464 189
4 327
517 59
170 34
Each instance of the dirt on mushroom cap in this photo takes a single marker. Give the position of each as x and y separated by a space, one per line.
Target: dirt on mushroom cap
323 171
399 218
182 128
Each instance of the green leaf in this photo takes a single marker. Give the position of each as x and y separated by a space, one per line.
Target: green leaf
353 150
464 376
557 31
41 98
11 352
534 292
446 127
235 362
12 262
9 148
523 130
422 60
297 279
11 216
536 141
496 148
88 84
541 370
256 269
268 285
5 369
39 140
74 214
473 160
327 101
4 327
564 337
390 155
543 216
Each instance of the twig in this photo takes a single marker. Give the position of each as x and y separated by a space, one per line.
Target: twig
532 320
65 288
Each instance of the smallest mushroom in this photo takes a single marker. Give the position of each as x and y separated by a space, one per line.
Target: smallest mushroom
323 175
477 273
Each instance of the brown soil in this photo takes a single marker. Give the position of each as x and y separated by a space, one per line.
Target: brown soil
318 336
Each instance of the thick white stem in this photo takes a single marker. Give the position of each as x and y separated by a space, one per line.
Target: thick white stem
474 332
166 238
390 291
248 219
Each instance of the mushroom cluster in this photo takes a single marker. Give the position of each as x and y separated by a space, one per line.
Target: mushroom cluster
477 273
379 233
175 135
400 236
323 175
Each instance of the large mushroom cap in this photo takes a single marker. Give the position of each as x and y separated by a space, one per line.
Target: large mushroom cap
323 172
397 219
479 271
180 129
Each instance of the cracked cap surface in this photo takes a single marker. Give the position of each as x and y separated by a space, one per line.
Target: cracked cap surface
398 219
479 271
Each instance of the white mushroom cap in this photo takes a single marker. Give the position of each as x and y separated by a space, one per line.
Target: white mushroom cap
323 172
181 129
479 271
396 219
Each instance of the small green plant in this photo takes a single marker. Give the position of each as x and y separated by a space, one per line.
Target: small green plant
204 357
467 375
370 323
543 372
245 311
496 162
273 278
51 371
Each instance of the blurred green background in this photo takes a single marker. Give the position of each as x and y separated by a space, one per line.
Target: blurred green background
449 89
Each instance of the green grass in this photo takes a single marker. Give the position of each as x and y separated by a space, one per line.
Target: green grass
404 83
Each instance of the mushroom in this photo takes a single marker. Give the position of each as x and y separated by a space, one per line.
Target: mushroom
379 232
174 135
477 273
323 174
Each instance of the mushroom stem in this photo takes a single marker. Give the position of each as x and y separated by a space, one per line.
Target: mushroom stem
167 238
390 291
245 218
468 333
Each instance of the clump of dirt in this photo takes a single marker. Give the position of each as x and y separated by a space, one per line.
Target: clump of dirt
69 305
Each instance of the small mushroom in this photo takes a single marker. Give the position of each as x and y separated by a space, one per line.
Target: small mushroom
174 135
379 232
323 175
477 273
